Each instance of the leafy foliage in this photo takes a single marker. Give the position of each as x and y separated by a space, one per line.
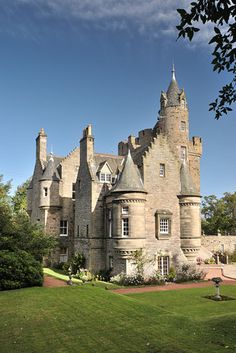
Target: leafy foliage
219 214
77 262
19 200
188 272
22 245
19 269
222 13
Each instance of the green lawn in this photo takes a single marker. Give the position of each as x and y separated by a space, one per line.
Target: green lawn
89 319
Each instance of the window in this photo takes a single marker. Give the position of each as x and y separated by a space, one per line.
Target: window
125 227
125 210
63 228
163 265
87 230
45 191
183 153
162 170
105 177
63 257
78 230
73 191
111 262
164 226
182 126
222 248
110 223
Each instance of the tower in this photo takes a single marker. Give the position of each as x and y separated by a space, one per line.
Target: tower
126 211
190 215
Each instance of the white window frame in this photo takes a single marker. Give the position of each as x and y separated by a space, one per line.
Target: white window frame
105 178
125 227
163 265
164 225
63 228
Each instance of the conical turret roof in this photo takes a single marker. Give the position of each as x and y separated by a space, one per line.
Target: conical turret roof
130 179
187 186
173 91
50 172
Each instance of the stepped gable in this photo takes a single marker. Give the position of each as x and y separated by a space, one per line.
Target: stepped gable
50 172
130 179
187 186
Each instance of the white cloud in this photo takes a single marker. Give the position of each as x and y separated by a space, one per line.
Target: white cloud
147 17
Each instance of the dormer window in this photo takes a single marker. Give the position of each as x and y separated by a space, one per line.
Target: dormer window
104 173
105 178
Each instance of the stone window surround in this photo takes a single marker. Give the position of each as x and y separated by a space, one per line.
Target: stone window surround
162 214
125 227
45 192
162 170
182 126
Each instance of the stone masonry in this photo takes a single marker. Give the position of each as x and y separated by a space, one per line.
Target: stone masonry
108 206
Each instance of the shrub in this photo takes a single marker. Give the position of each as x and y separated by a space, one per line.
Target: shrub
104 275
171 275
209 261
85 275
232 257
76 263
19 269
188 272
125 280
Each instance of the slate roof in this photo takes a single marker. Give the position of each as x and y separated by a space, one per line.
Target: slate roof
130 179
50 172
114 162
187 186
173 92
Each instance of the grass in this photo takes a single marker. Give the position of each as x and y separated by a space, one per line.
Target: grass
88 319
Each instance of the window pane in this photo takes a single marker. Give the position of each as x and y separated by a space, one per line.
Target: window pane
125 227
164 225
125 210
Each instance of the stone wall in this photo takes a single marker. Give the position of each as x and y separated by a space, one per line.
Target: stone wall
219 242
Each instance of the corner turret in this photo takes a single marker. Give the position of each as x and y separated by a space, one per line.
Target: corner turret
190 215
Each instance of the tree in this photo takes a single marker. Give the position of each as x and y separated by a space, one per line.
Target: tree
222 13
19 200
22 245
219 214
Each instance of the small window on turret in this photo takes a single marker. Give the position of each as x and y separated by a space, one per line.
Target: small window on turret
73 191
125 210
183 153
162 170
45 190
183 126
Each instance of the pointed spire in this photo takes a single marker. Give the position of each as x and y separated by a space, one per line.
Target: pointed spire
173 91
173 72
187 186
50 172
130 179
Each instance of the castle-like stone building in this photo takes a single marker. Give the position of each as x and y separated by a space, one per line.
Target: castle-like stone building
107 206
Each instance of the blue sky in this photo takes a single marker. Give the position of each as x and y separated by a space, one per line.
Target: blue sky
65 64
